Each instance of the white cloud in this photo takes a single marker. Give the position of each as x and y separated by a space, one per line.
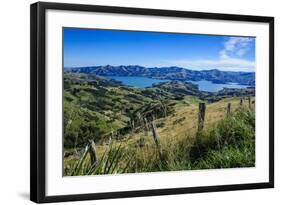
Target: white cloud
228 64
230 58
236 47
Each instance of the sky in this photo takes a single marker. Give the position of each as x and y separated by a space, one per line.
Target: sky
93 47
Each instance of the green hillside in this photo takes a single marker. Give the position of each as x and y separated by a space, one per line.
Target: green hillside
122 122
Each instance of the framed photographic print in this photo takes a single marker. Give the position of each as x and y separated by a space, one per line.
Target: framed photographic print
129 102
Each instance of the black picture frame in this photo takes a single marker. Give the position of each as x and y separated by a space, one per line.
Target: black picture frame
38 101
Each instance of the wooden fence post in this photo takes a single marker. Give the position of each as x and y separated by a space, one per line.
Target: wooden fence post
140 119
145 126
249 101
201 116
155 134
109 141
93 153
156 138
132 124
241 101
75 143
228 109
141 141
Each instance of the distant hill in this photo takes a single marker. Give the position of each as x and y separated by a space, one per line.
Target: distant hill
170 73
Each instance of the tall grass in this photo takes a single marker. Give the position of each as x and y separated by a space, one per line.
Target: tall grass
228 144
114 160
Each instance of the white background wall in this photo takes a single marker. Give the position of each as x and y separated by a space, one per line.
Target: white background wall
14 100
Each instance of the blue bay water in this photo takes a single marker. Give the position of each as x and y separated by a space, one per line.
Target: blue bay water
205 85
143 82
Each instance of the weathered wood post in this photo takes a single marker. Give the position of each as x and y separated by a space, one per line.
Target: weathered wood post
228 109
140 119
201 116
155 134
145 126
93 153
249 101
156 138
75 143
241 101
141 141
132 124
109 141
153 117
142 138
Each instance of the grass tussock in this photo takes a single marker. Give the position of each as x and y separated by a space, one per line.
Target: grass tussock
231 143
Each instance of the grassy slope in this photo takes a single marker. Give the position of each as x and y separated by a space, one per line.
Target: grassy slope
175 130
183 123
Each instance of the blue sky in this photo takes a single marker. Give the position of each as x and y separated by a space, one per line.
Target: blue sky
91 47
